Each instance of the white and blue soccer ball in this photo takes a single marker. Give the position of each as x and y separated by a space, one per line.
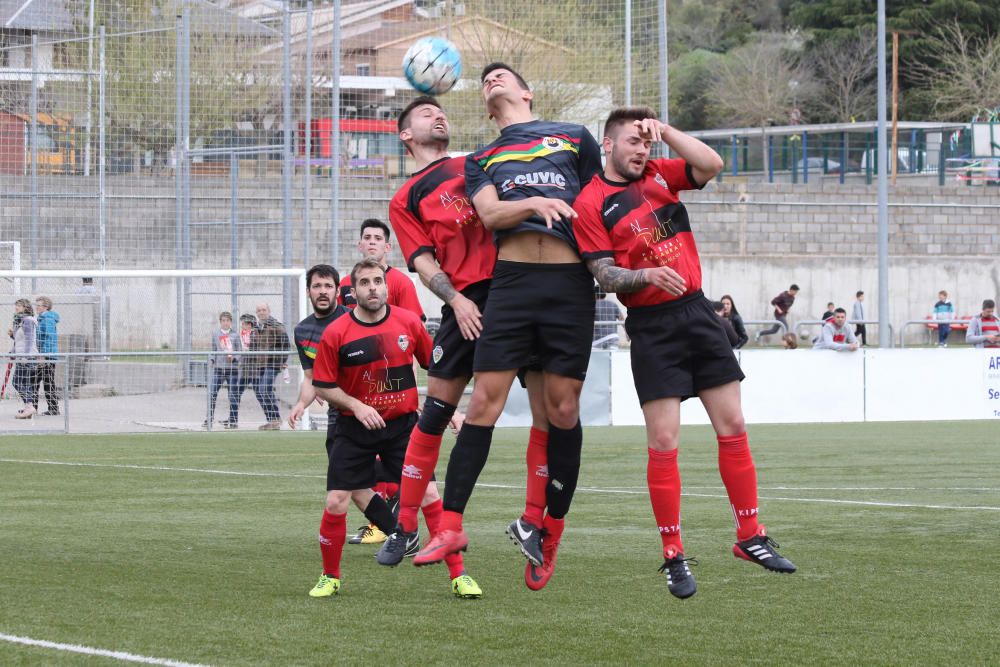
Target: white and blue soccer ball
432 65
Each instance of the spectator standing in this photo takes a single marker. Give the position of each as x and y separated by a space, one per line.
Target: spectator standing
730 313
858 316
828 314
225 370
607 315
837 335
984 328
271 337
48 346
782 304
24 334
731 334
943 311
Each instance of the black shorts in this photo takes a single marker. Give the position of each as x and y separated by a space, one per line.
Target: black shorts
452 354
538 315
351 462
679 348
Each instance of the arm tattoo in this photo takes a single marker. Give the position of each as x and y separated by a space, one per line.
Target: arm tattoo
442 287
614 278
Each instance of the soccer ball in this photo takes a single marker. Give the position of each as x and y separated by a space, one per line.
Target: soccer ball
432 65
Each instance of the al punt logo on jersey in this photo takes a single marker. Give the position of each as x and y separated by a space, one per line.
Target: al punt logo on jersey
403 342
535 179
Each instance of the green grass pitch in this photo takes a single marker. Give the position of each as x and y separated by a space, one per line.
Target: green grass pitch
152 550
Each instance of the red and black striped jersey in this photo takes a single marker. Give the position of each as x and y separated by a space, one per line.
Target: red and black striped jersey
373 362
641 224
535 159
431 213
402 293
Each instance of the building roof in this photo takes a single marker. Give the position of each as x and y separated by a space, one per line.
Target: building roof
37 15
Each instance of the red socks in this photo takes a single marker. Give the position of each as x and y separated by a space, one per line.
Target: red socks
432 517
553 529
538 476
740 478
418 467
664 481
332 533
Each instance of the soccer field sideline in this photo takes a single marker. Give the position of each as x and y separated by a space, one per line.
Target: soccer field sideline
171 512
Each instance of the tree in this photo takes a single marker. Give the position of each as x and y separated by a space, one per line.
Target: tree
845 70
690 102
753 84
967 76
919 20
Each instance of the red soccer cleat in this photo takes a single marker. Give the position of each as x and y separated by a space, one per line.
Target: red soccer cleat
444 543
536 577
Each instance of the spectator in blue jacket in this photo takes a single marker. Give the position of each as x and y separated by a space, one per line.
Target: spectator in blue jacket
48 347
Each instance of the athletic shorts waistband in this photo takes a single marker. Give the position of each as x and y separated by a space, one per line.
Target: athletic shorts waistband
568 267
666 305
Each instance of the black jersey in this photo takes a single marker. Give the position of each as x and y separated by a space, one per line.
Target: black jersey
308 333
536 159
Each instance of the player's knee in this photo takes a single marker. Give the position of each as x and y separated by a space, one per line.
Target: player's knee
663 441
337 501
563 413
435 416
484 410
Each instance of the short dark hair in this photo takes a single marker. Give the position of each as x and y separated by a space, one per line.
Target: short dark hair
623 115
375 222
860 293
247 317
718 306
989 303
367 263
403 121
323 271
226 315
793 288
840 310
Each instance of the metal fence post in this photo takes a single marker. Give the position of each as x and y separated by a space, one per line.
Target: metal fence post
286 166
34 157
307 139
335 139
178 179
101 194
234 234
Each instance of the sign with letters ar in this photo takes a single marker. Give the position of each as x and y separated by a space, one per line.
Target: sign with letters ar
991 382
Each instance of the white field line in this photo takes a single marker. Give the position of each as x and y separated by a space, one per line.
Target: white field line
104 653
614 491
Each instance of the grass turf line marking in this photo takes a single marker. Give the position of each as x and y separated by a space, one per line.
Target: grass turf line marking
616 490
104 653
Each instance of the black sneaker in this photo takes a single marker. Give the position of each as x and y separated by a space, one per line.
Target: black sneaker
362 533
398 546
529 538
680 581
760 549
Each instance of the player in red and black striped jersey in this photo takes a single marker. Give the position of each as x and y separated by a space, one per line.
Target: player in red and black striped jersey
635 237
364 368
444 241
376 242
539 315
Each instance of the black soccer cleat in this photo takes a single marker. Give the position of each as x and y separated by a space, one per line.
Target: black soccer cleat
529 538
760 549
680 581
398 546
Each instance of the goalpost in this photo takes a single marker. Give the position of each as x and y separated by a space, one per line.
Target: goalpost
135 345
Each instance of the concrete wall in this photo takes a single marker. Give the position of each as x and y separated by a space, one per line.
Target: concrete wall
755 238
